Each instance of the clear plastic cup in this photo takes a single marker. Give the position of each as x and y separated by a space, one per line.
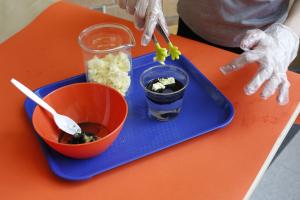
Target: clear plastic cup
107 56
166 105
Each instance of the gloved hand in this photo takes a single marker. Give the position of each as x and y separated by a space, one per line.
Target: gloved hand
273 49
147 13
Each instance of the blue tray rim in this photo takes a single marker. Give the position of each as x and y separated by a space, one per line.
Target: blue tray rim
138 59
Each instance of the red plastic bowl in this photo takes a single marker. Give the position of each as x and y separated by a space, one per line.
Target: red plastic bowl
83 102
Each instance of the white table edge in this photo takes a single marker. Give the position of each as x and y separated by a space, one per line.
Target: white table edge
273 152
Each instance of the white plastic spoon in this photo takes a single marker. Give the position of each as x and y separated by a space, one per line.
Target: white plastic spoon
63 122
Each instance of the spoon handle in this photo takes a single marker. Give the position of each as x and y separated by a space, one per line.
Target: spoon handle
33 96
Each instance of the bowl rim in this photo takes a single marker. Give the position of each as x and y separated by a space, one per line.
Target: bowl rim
89 143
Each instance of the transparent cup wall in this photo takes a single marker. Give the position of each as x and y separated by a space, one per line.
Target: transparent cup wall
97 72
107 55
164 106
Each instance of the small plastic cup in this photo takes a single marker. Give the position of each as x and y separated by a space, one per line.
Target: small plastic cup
167 105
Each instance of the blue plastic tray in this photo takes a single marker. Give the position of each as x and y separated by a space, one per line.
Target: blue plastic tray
204 109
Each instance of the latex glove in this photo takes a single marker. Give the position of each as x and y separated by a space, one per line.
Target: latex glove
273 49
147 13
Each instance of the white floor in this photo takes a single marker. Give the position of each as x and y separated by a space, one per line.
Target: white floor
282 179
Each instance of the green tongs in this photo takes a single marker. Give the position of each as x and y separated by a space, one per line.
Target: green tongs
162 53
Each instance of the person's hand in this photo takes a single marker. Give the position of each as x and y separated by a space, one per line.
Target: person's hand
273 49
147 13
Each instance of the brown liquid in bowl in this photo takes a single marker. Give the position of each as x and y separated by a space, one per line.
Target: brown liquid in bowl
90 132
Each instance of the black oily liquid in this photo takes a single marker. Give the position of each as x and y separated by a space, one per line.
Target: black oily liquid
164 99
164 104
90 132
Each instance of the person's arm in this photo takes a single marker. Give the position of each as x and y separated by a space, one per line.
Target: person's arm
293 20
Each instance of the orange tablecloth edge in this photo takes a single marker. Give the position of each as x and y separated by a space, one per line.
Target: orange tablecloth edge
272 153
298 120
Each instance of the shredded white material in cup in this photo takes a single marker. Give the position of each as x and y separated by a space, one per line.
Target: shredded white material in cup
112 70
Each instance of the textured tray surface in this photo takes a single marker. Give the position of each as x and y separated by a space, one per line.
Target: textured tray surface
204 109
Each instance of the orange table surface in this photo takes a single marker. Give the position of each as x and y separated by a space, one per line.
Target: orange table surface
219 165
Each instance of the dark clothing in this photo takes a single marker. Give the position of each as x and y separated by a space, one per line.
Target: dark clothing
185 31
